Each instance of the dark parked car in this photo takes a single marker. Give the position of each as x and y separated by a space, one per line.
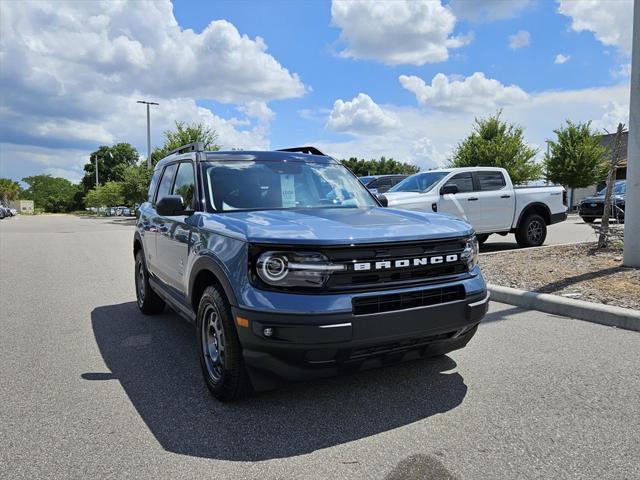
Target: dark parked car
291 269
591 208
381 183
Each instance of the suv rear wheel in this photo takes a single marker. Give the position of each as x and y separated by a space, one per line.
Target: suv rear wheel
148 301
532 231
220 350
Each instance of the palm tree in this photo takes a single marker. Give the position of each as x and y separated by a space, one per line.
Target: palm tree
9 190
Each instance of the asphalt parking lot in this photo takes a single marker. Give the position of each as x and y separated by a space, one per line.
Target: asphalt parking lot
90 388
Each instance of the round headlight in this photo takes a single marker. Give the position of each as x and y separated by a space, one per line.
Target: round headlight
273 268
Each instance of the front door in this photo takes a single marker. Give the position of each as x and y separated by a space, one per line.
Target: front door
174 237
464 204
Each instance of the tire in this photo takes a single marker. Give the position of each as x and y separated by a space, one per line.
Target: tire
532 231
148 301
482 237
588 219
219 349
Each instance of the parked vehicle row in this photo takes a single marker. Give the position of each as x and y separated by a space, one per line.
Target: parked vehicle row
291 269
592 208
381 183
486 198
7 211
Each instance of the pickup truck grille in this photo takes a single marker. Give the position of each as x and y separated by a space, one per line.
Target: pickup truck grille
413 254
402 301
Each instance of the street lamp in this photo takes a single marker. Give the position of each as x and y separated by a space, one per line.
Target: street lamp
148 131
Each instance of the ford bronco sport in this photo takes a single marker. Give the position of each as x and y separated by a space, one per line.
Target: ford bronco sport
291 269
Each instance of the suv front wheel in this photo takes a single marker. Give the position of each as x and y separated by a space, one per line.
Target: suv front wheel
148 301
220 350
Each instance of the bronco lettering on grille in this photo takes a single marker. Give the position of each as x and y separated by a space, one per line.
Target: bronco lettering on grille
405 262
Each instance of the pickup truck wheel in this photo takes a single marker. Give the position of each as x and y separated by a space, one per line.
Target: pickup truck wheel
220 350
482 237
532 231
588 219
148 301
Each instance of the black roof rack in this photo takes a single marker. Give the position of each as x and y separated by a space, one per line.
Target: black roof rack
307 150
189 147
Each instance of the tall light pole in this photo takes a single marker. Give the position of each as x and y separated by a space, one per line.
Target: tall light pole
632 201
148 131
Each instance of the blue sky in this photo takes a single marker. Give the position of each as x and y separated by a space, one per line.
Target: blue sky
401 79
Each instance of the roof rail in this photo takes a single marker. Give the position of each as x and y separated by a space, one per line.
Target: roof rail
307 150
189 147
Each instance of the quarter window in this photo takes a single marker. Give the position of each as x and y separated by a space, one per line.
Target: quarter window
184 184
464 182
154 184
490 180
166 182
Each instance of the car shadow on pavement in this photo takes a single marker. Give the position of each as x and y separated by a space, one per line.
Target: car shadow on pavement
155 360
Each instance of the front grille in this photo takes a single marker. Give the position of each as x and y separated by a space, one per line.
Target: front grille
363 280
396 347
405 300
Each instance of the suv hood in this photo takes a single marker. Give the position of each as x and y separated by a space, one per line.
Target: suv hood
338 226
600 199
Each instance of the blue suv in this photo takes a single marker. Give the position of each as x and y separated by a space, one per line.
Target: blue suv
291 269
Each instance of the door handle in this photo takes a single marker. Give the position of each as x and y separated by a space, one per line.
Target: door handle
472 199
505 196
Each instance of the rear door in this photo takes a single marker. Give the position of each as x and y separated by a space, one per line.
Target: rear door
497 202
175 233
464 204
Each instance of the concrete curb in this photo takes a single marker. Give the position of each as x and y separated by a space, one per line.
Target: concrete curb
568 307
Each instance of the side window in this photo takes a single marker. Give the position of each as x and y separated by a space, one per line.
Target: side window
464 182
153 185
185 183
166 181
490 180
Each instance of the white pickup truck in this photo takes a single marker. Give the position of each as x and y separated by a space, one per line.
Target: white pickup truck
486 198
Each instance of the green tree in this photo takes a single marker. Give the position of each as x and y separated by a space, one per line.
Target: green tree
575 159
53 194
111 164
110 194
383 166
92 198
183 134
9 190
494 143
135 183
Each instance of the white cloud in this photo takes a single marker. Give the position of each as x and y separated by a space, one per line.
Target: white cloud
610 21
474 93
519 40
399 32
487 10
428 137
560 59
622 71
77 69
360 116
615 113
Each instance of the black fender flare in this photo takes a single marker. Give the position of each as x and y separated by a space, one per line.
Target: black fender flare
206 263
137 238
528 208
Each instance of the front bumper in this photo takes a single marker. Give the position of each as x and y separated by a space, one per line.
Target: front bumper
319 345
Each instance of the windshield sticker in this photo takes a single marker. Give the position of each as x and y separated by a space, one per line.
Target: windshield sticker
288 191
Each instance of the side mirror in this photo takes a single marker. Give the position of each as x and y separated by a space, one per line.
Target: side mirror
384 201
448 189
170 205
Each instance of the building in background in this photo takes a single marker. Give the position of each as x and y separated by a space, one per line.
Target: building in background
24 207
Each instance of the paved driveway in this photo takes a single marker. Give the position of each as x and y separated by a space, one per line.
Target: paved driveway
90 388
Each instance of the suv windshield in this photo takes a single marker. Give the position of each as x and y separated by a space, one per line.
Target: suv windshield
620 188
420 182
286 184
